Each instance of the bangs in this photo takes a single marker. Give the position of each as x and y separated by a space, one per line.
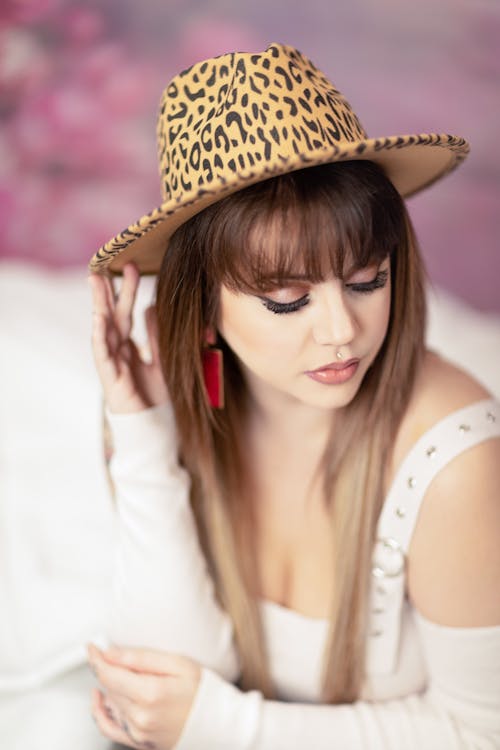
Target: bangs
310 224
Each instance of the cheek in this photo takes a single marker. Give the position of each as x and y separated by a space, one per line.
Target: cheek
382 313
257 334
375 317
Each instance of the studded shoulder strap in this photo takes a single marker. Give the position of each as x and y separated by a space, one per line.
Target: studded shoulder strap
448 438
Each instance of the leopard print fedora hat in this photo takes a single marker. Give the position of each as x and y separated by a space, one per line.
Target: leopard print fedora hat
234 120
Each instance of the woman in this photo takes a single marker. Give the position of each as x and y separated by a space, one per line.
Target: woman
309 540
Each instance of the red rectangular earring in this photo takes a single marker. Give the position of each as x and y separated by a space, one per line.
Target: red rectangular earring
213 371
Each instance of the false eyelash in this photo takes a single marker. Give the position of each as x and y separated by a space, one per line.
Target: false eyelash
378 282
284 307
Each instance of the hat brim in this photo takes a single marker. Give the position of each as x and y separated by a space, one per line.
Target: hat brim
411 162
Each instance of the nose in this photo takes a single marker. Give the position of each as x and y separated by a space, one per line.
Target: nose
335 323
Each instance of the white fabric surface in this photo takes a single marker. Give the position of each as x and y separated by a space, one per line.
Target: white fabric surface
55 513
55 510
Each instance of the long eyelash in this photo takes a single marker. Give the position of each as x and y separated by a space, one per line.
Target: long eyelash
378 282
284 307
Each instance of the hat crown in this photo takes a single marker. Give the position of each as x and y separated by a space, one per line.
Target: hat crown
242 115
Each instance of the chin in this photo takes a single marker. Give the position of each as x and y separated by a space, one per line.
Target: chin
331 396
333 403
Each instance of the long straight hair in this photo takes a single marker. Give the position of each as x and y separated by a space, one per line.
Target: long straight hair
333 218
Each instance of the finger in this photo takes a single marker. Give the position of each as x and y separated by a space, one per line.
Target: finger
126 299
103 348
119 706
103 304
122 723
104 719
152 331
120 680
100 300
149 661
110 291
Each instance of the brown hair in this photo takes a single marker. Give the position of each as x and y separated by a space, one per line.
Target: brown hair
335 217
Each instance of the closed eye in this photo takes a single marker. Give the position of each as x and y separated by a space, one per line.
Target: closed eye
284 307
366 287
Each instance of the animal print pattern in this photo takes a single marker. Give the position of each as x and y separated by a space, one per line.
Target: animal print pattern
237 119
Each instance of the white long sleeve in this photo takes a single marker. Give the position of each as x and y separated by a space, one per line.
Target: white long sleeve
460 710
163 595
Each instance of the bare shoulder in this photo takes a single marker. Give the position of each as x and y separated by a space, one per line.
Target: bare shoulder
454 556
440 389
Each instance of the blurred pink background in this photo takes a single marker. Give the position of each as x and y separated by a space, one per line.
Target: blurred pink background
80 83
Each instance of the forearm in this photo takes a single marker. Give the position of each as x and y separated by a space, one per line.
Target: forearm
163 595
224 718
460 709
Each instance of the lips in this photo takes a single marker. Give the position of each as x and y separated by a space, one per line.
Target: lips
334 373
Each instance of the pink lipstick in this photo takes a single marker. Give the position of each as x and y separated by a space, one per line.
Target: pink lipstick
334 373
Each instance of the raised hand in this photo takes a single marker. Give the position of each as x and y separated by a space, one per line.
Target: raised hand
129 382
